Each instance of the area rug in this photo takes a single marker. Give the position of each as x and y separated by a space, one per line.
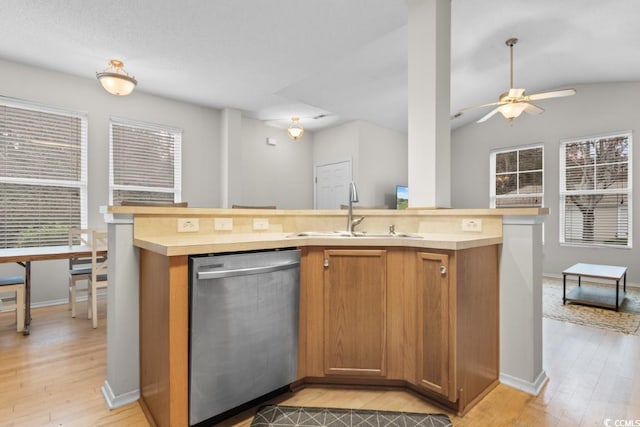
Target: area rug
626 320
299 416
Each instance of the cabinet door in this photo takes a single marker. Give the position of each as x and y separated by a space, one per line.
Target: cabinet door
435 360
355 294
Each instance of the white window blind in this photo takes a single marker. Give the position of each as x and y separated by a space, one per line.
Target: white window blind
517 177
595 191
43 173
145 163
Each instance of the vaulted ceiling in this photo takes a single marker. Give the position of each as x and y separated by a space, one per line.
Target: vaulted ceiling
345 59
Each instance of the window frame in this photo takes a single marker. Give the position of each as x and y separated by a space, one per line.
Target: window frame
493 197
563 193
177 159
82 183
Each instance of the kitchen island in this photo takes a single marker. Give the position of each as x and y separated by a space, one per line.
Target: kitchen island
441 288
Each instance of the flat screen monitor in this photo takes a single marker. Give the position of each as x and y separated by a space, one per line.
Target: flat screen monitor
402 196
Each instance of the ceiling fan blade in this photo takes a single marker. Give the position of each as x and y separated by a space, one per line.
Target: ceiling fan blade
515 93
553 94
461 112
482 106
533 109
488 116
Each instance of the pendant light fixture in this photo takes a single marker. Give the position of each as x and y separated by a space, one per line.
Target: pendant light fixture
115 80
295 130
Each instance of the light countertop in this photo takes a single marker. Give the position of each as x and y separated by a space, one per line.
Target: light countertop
185 244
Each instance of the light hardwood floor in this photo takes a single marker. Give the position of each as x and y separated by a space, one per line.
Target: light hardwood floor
54 376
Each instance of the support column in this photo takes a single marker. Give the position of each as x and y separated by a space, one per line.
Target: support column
429 130
521 304
122 385
231 158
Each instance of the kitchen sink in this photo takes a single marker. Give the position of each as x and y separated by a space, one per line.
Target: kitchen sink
404 235
357 234
321 234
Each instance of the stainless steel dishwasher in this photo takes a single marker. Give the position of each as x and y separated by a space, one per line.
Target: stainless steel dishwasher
243 328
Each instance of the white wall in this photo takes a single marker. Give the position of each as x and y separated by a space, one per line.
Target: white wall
383 164
200 146
379 157
594 110
281 174
337 144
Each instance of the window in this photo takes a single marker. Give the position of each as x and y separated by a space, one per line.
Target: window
144 163
595 191
517 177
43 173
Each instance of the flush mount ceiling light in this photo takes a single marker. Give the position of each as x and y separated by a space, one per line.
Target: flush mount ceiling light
295 129
115 80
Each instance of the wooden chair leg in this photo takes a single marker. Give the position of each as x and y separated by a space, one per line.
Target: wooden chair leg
89 305
94 308
72 298
20 309
92 303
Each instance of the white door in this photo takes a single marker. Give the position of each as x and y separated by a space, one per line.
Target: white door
332 184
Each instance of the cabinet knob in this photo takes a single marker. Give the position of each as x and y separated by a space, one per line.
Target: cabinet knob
326 263
443 270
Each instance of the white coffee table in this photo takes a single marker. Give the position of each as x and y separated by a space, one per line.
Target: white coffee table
595 296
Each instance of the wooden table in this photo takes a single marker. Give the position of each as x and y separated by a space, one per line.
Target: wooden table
24 256
595 296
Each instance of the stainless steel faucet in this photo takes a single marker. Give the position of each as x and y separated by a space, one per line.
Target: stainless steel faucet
353 198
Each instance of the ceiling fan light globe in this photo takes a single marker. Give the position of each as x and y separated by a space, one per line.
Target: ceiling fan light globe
295 133
295 129
512 110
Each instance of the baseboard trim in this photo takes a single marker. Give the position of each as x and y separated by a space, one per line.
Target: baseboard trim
54 302
102 293
532 388
114 401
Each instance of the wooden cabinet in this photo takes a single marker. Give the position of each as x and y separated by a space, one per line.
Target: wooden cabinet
424 319
474 325
457 326
351 313
433 325
164 338
354 311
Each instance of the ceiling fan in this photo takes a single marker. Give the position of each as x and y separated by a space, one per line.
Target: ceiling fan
512 103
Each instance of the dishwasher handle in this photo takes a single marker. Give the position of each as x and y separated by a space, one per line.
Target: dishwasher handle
218 274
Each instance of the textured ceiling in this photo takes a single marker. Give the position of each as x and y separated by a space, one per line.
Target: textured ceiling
347 59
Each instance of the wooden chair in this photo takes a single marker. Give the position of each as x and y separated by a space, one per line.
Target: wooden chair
15 285
79 267
98 277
